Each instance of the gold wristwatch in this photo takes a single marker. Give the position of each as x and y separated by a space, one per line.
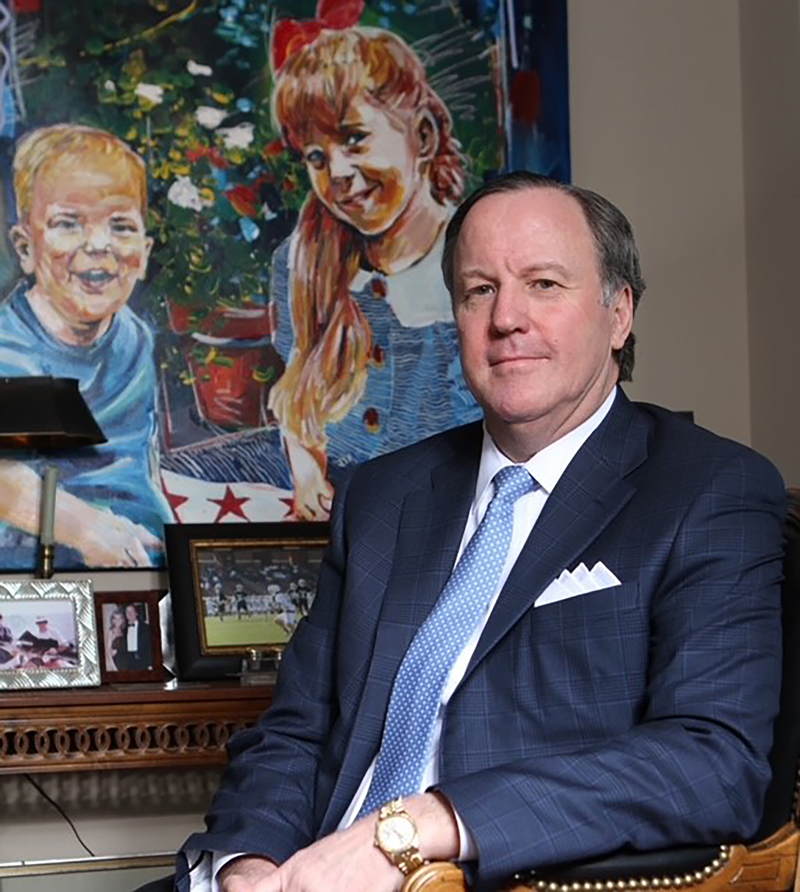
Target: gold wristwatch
396 836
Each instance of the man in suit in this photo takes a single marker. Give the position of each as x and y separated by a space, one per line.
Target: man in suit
620 683
137 653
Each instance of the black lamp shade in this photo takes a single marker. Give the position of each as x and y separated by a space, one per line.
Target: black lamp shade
45 413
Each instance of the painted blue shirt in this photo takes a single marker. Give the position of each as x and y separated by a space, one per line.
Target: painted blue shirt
415 387
117 378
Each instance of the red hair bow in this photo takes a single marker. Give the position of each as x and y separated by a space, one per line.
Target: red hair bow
289 35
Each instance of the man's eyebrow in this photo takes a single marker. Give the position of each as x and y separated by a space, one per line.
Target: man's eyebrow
473 272
552 266
546 266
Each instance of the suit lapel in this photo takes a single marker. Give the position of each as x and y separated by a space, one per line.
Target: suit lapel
590 493
429 532
431 528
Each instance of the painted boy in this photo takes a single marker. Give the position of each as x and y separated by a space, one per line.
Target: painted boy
81 198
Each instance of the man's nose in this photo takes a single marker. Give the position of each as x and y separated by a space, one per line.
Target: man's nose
510 309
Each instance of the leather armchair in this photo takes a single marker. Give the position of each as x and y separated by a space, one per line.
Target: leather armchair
766 863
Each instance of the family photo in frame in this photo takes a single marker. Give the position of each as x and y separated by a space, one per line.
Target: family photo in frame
129 636
48 637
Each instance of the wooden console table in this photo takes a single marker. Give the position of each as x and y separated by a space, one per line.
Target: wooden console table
124 726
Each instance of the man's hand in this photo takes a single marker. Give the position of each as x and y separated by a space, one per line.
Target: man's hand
243 874
348 860
345 861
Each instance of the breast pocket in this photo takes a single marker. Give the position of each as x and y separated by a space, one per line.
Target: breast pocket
585 659
577 610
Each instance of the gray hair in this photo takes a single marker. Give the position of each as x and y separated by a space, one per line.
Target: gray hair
617 254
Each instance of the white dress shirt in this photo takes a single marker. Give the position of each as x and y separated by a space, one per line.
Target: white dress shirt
546 467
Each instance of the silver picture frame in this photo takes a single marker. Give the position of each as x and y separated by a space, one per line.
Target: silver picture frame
48 635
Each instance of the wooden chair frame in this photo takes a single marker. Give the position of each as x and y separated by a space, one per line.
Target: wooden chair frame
768 866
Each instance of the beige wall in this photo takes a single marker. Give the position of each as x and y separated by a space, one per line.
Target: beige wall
657 127
771 116
686 114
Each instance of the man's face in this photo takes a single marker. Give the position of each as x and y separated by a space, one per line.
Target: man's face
84 239
130 613
536 340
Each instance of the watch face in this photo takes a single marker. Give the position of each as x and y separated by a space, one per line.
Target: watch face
395 833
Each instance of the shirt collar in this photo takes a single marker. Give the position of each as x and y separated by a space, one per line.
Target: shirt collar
547 466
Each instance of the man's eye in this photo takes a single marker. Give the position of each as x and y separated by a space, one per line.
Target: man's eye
474 291
316 158
544 284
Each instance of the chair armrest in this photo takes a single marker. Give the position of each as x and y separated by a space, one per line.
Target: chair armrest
768 866
436 876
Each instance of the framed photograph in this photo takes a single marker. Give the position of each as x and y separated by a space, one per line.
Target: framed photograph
48 637
239 588
129 636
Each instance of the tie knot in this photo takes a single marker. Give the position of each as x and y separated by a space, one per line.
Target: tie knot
512 482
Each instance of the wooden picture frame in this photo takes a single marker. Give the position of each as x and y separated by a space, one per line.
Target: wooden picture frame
119 662
48 636
239 588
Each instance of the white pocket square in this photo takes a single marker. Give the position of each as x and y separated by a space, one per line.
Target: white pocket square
580 581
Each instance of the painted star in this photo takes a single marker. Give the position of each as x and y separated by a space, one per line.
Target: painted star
175 499
230 504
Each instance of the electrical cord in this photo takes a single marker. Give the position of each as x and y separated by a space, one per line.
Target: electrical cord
190 868
60 810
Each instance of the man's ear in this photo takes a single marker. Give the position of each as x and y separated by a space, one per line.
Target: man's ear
426 131
622 308
21 240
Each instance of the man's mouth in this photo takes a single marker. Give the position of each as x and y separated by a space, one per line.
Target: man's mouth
506 360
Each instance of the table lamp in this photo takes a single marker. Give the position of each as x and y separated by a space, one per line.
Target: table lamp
45 414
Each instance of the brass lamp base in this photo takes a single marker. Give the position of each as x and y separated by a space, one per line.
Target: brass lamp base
46 558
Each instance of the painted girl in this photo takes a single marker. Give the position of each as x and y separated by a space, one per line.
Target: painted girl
364 319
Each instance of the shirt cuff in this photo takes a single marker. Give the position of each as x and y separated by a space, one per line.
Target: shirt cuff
199 864
218 861
467 850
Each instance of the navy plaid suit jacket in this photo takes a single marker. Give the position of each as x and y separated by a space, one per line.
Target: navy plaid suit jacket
639 715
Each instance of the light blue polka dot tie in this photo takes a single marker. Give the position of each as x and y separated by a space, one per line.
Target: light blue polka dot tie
421 678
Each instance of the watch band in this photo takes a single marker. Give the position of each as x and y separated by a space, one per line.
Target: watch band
408 858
